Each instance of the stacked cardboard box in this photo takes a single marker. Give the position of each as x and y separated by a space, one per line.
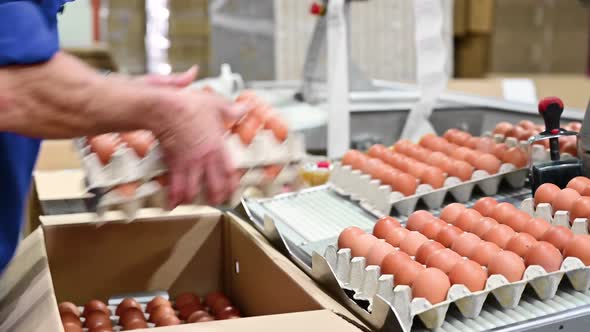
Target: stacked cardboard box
188 32
125 34
524 36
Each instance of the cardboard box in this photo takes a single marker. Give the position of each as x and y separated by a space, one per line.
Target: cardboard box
460 12
189 249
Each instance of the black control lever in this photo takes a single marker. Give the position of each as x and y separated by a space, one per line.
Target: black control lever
551 109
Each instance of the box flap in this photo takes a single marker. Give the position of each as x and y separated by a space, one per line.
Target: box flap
27 300
59 185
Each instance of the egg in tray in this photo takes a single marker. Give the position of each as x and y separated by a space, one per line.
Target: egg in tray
126 170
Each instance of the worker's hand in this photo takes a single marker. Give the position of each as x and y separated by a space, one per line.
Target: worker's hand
176 80
191 135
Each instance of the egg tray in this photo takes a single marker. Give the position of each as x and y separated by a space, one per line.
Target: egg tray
375 196
538 152
115 318
126 166
368 285
153 194
559 218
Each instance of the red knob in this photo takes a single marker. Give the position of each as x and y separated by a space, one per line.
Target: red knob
323 164
317 9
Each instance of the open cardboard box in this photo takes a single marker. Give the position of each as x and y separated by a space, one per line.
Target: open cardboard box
196 249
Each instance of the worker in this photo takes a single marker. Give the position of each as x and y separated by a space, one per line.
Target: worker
45 93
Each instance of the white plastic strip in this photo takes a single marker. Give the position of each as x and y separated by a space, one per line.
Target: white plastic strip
431 66
156 36
338 98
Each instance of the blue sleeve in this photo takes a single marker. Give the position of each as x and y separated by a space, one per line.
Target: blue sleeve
28 32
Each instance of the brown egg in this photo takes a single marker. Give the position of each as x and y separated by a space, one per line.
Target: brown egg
451 212
564 200
517 132
579 184
105 329
431 284
131 314
503 212
432 229
406 184
500 235
488 162
348 236
104 146
508 264
472 142
485 206
450 134
447 235
580 209
160 312
546 193
484 252
416 168
395 262
140 141
219 303
248 128
470 274
384 226
97 318
427 249
186 298
402 146
537 227
485 145
483 225
559 236
134 325
544 254
68 307
96 305
156 302
444 259
169 320
208 319
527 124
377 252
467 219
195 316
499 150
516 156
579 247
433 176
412 242
473 156
377 151
427 141
362 245
465 244
460 169
520 243
227 312
419 219
126 304
407 274
461 138
396 236
518 221
69 317
503 128
351 158
188 309
461 153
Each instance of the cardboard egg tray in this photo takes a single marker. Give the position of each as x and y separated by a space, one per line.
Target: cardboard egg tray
125 166
538 152
559 218
153 194
382 198
385 299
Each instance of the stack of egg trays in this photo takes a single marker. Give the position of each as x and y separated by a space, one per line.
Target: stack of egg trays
538 152
367 283
375 196
559 218
126 166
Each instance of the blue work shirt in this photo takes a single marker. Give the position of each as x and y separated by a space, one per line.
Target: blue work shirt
28 35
